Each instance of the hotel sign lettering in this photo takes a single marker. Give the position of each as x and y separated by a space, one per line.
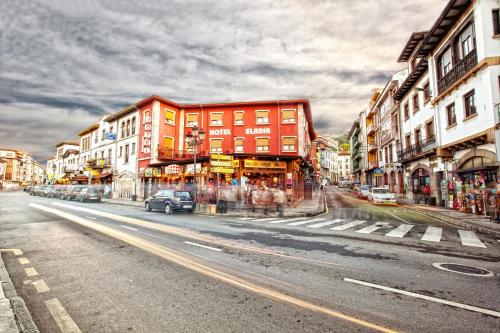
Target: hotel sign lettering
258 130
265 164
146 137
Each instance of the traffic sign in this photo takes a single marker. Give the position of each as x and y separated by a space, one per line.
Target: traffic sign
221 157
218 163
222 170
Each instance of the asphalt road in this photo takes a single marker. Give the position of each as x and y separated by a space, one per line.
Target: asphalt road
121 269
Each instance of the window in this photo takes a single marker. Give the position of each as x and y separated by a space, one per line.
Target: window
168 144
110 129
407 140
415 103
288 116
103 135
110 151
464 43
238 145
444 62
262 144
191 119
216 145
215 118
470 106
133 126
450 115
238 117
122 130
170 117
102 154
496 21
121 151
126 154
132 152
262 117
289 143
418 136
429 129
406 111
128 127
96 136
427 91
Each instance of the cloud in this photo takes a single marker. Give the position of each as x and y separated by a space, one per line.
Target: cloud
76 60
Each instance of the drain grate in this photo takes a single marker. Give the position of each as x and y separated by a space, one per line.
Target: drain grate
464 269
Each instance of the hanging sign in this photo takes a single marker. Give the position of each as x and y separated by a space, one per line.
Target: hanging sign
173 169
221 170
221 157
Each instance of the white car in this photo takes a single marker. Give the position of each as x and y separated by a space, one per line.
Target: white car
381 195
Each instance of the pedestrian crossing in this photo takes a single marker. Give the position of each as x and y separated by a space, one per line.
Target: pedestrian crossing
431 233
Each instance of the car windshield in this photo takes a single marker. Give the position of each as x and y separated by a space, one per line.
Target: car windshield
184 195
365 187
381 191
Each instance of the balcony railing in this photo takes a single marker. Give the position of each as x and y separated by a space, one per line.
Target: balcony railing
68 168
421 147
372 147
99 163
459 70
179 155
370 128
372 165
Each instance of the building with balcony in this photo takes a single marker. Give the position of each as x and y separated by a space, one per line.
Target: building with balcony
63 167
372 121
356 139
18 169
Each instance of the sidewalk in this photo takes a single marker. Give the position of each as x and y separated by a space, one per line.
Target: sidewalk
309 207
474 222
14 316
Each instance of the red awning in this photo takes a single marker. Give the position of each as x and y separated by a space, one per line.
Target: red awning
77 178
105 174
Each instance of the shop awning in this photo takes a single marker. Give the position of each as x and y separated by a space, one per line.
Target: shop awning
80 178
105 174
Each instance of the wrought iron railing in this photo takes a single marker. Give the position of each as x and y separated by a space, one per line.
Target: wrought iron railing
459 70
421 147
99 163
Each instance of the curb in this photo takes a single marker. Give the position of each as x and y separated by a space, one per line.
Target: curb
22 316
454 222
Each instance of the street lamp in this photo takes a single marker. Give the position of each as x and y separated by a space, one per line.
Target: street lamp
194 139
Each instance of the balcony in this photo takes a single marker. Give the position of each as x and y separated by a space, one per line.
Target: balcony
168 154
372 165
372 147
458 71
70 168
370 129
420 148
99 163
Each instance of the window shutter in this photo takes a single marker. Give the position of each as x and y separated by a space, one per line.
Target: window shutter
288 114
169 116
262 142
288 141
262 114
216 143
238 116
216 116
169 143
192 117
238 142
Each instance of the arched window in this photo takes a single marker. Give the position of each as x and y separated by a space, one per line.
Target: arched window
133 126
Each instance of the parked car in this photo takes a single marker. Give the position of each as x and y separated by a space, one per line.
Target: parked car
46 191
88 194
170 201
35 190
363 191
72 193
65 191
381 195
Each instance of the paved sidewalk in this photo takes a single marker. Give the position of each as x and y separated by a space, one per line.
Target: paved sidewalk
474 222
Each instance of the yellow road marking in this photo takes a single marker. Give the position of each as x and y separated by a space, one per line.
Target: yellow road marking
191 234
41 286
16 252
61 316
187 262
30 271
23 261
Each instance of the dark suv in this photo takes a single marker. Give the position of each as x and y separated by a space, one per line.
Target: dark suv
170 201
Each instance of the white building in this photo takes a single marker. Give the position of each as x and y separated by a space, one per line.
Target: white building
18 169
344 165
63 167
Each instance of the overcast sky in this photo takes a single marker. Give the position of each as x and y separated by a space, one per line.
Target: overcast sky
65 63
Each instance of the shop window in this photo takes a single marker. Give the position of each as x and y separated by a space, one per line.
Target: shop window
288 116
427 91
262 144
216 119
191 119
470 104
238 145
216 145
262 117
289 144
170 117
450 114
238 117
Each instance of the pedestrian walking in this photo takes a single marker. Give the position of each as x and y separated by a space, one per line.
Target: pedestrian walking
267 199
279 198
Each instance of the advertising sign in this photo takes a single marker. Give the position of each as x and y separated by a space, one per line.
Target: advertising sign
221 157
222 170
265 164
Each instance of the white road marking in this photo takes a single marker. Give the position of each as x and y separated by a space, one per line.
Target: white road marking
30 271
400 231
266 219
41 286
432 234
373 227
319 225
27 281
16 252
204 246
349 225
126 227
307 221
290 220
23 261
246 218
90 217
427 298
61 316
469 238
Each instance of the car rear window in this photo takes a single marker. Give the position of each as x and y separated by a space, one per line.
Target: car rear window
381 191
183 195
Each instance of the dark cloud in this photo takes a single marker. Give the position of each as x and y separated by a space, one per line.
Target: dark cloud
64 63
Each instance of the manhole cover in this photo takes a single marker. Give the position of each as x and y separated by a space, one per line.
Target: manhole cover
464 269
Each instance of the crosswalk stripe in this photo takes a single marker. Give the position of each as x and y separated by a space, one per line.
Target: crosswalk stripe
290 220
349 225
369 229
319 225
400 231
307 221
268 219
432 234
469 238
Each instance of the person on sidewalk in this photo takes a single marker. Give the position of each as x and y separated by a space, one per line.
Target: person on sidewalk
279 198
267 199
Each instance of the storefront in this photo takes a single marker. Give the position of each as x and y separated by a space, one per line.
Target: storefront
421 185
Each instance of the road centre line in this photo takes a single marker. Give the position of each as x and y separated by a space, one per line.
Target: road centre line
30 271
204 246
189 263
188 234
127 227
23 261
425 297
61 316
90 217
40 286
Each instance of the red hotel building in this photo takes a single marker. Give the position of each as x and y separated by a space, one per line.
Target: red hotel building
269 140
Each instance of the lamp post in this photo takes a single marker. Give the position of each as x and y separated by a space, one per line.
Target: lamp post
194 139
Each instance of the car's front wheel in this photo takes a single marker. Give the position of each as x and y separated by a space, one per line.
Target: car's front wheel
147 206
168 209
